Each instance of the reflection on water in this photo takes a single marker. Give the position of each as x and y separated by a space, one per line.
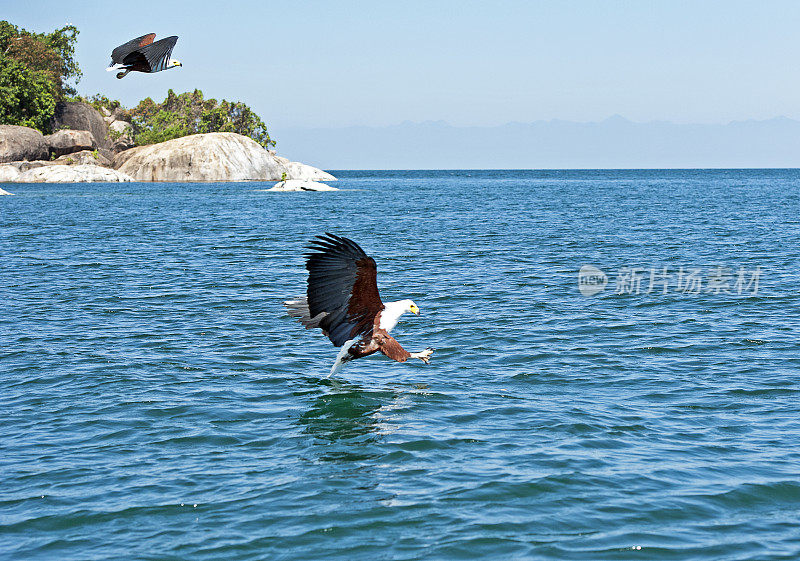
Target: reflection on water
345 413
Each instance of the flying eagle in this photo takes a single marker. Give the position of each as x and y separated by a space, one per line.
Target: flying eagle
342 299
142 55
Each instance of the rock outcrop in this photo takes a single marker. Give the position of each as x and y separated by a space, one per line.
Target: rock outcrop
15 172
199 157
301 185
216 156
121 134
120 145
75 115
21 143
92 157
122 128
25 166
8 173
81 173
68 141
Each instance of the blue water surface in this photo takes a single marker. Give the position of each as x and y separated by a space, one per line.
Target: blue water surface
157 403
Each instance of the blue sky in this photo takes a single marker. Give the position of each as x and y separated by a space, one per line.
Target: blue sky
306 63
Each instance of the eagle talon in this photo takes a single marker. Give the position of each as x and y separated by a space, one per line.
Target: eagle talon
424 356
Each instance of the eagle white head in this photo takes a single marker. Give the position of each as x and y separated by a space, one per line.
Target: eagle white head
392 311
173 63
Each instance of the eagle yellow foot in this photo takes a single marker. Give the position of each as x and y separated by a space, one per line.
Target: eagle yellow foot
424 356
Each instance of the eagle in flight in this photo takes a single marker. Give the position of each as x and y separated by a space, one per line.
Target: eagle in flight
143 55
342 299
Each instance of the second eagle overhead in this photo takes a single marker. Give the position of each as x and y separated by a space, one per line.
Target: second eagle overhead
144 55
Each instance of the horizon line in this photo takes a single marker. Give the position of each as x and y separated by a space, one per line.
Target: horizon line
331 169
615 118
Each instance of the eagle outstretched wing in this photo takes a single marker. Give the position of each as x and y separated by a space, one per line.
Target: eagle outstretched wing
158 53
118 55
343 287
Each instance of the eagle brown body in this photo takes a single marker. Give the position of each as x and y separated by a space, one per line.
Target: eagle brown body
379 340
343 300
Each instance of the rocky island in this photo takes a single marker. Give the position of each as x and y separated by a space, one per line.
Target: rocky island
90 146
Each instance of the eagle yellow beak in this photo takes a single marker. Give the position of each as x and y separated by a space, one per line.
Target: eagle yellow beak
414 309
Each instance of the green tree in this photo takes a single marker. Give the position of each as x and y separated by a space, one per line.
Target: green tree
35 70
189 113
27 98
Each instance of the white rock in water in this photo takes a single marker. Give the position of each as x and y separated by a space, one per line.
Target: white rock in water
9 174
301 185
83 173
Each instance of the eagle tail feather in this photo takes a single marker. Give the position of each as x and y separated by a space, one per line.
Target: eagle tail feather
299 309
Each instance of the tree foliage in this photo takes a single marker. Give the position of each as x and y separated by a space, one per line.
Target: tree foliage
35 70
189 113
26 98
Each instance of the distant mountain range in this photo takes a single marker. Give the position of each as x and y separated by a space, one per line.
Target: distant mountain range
612 143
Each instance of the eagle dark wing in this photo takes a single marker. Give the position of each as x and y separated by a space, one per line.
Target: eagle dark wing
118 55
342 285
158 53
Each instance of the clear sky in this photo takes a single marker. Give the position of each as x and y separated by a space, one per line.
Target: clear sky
312 63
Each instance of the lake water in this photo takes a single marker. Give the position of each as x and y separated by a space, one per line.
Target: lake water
157 403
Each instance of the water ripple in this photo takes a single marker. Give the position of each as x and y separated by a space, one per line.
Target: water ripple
158 403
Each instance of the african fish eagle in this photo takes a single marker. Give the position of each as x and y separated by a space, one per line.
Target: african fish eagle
142 55
342 299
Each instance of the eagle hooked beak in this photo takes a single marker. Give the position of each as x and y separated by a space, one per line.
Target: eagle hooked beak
413 309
